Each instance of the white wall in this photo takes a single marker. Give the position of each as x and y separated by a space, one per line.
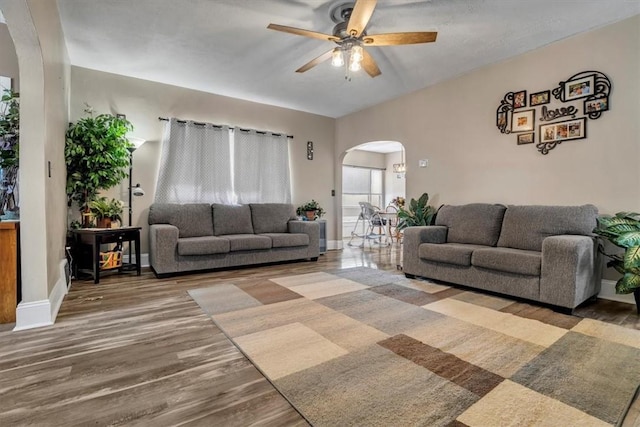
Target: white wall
36 31
394 186
8 58
144 101
453 125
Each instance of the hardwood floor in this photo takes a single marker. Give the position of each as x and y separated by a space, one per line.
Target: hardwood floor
139 351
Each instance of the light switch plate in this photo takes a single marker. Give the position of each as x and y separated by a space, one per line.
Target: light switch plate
423 163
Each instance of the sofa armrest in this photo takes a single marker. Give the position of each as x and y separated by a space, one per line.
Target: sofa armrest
163 244
571 270
413 238
312 229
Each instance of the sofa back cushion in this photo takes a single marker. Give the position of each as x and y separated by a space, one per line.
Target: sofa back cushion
271 217
192 219
475 223
231 219
525 227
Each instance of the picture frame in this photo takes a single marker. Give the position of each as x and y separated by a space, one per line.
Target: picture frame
540 98
526 138
520 99
596 105
563 131
578 88
523 121
501 119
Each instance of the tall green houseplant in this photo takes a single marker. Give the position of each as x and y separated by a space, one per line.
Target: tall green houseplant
623 230
417 213
97 156
9 149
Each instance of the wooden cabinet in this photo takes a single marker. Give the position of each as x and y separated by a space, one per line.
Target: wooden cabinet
9 270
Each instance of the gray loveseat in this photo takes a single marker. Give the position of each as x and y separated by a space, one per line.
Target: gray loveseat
191 237
542 253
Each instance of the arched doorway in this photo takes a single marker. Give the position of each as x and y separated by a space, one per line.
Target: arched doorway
372 172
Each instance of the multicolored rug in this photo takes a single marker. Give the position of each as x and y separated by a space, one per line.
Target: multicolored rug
367 347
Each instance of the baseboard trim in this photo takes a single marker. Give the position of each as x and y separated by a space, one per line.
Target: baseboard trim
144 259
608 292
37 314
333 245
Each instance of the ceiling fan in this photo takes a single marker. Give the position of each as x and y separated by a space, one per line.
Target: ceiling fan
350 36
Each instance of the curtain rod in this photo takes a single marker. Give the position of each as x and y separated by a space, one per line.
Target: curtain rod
262 132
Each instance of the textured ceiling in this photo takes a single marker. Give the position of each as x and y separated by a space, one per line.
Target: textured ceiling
224 47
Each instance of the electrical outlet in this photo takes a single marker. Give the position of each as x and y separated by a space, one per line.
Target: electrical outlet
423 163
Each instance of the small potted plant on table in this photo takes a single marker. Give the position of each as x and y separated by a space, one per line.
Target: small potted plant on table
310 210
106 211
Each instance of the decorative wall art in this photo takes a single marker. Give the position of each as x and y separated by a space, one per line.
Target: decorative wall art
587 95
526 138
523 121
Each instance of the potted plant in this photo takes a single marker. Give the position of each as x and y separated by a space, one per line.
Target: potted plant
311 210
418 213
623 230
105 211
97 156
9 150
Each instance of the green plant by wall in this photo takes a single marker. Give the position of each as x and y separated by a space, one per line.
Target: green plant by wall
623 230
103 208
416 214
310 206
97 156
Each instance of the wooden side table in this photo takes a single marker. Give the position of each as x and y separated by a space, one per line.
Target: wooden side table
95 237
9 270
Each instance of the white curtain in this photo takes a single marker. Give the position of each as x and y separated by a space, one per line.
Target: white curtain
261 167
195 164
202 163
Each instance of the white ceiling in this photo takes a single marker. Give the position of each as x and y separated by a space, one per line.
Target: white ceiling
383 147
224 47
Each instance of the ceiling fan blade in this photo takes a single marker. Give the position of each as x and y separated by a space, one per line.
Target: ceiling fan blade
360 16
301 32
309 65
369 64
390 39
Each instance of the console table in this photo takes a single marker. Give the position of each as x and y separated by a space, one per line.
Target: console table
95 237
9 270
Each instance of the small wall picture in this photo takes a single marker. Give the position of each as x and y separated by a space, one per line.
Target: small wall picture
579 88
526 138
539 98
522 121
595 105
501 120
520 99
562 131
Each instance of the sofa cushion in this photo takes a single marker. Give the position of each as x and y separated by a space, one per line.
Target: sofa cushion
476 223
231 219
271 217
450 253
287 240
192 219
206 245
525 227
247 242
509 260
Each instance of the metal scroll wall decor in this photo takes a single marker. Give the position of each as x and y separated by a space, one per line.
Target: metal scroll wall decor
584 96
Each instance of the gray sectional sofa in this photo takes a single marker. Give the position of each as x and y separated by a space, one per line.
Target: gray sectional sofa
546 254
191 237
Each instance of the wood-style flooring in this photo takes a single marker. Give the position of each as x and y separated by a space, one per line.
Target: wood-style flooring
139 351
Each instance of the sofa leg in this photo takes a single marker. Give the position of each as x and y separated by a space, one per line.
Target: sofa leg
314 259
409 276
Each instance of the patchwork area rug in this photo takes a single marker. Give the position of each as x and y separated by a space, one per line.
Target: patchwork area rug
371 348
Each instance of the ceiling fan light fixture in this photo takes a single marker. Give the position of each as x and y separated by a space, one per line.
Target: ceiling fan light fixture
337 57
356 53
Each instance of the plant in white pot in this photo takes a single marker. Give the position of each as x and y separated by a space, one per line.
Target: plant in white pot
310 210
